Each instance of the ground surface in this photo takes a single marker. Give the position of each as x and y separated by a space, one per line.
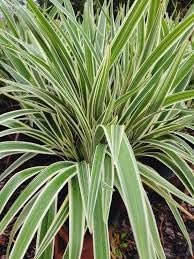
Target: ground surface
175 246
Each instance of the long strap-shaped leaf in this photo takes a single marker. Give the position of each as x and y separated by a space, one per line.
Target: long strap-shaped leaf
15 182
177 165
27 131
163 47
107 188
154 235
163 89
179 97
100 86
100 231
14 114
152 13
84 183
39 210
178 33
21 160
96 175
31 189
154 231
22 147
154 177
181 225
178 159
9 17
74 22
42 231
132 190
19 222
57 223
76 220
127 28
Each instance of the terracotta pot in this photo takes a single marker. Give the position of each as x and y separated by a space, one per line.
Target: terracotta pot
61 242
117 209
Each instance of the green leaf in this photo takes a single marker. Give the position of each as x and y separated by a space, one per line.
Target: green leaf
132 190
42 231
15 114
154 234
9 17
17 163
108 179
39 210
180 30
19 221
152 14
100 231
15 181
54 228
31 189
163 89
178 157
175 166
23 147
179 97
96 176
181 225
76 220
157 179
100 86
84 183
127 28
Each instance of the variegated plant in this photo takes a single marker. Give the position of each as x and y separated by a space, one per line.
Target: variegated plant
99 92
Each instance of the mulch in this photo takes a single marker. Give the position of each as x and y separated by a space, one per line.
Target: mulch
174 243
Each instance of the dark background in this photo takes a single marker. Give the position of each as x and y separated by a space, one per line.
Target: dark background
180 5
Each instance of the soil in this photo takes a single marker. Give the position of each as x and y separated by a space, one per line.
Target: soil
175 246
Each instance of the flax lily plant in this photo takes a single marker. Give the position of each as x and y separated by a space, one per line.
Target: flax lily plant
99 92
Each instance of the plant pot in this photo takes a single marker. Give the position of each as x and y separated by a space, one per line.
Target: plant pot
61 242
62 238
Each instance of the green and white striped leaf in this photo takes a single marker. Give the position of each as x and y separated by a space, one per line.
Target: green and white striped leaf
76 220
17 163
157 179
39 210
42 231
181 225
127 28
24 147
31 190
107 188
132 189
95 182
14 183
100 231
54 228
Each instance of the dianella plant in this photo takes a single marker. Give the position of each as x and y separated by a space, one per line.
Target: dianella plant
98 93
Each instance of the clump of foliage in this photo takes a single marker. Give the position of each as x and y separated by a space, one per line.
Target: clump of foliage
99 93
